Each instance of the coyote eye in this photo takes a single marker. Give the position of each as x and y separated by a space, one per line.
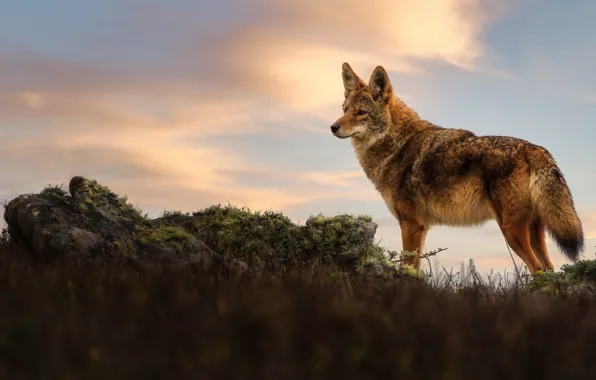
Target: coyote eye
361 112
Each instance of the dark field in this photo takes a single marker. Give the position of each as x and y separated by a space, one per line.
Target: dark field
110 321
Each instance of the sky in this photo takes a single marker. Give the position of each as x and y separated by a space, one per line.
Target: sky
184 104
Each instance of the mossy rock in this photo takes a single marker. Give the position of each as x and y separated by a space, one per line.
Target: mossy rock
259 239
343 239
91 219
96 200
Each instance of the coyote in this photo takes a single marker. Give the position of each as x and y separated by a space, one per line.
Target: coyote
429 175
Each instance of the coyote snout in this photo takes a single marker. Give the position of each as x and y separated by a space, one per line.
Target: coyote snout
340 132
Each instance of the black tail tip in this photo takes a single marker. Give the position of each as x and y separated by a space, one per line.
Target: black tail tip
571 247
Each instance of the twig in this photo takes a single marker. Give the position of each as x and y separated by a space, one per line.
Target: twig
424 256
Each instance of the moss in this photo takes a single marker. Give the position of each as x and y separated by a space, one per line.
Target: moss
94 189
163 233
54 191
345 240
272 238
406 255
126 208
365 218
176 236
410 271
318 220
567 281
97 197
583 270
255 237
172 214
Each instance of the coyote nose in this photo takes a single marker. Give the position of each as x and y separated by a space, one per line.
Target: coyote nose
334 128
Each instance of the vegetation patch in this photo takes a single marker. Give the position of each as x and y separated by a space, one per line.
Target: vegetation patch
578 279
101 320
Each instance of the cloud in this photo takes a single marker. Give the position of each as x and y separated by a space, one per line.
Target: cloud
342 179
71 109
286 52
295 49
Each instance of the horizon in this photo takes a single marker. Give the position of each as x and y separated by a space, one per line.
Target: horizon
185 105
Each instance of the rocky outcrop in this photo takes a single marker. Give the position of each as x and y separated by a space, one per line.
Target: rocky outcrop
92 221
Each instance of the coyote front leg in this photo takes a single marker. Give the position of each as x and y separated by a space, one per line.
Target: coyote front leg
413 234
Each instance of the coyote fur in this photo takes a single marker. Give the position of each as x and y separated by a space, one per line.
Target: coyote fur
429 175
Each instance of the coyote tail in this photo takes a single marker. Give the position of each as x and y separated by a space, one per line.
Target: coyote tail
554 204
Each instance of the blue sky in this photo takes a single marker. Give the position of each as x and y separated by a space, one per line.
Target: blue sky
186 104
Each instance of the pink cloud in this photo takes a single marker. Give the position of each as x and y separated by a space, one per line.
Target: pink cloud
277 55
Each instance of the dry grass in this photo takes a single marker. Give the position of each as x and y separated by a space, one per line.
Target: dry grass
109 321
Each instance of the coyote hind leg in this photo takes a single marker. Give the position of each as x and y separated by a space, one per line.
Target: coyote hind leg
517 236
538 241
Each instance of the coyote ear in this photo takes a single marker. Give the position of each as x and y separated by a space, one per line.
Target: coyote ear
379 85
351 81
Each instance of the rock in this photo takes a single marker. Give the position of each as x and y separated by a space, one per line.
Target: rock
49 224
92 221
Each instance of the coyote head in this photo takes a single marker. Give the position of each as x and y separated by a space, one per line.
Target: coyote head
366 107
